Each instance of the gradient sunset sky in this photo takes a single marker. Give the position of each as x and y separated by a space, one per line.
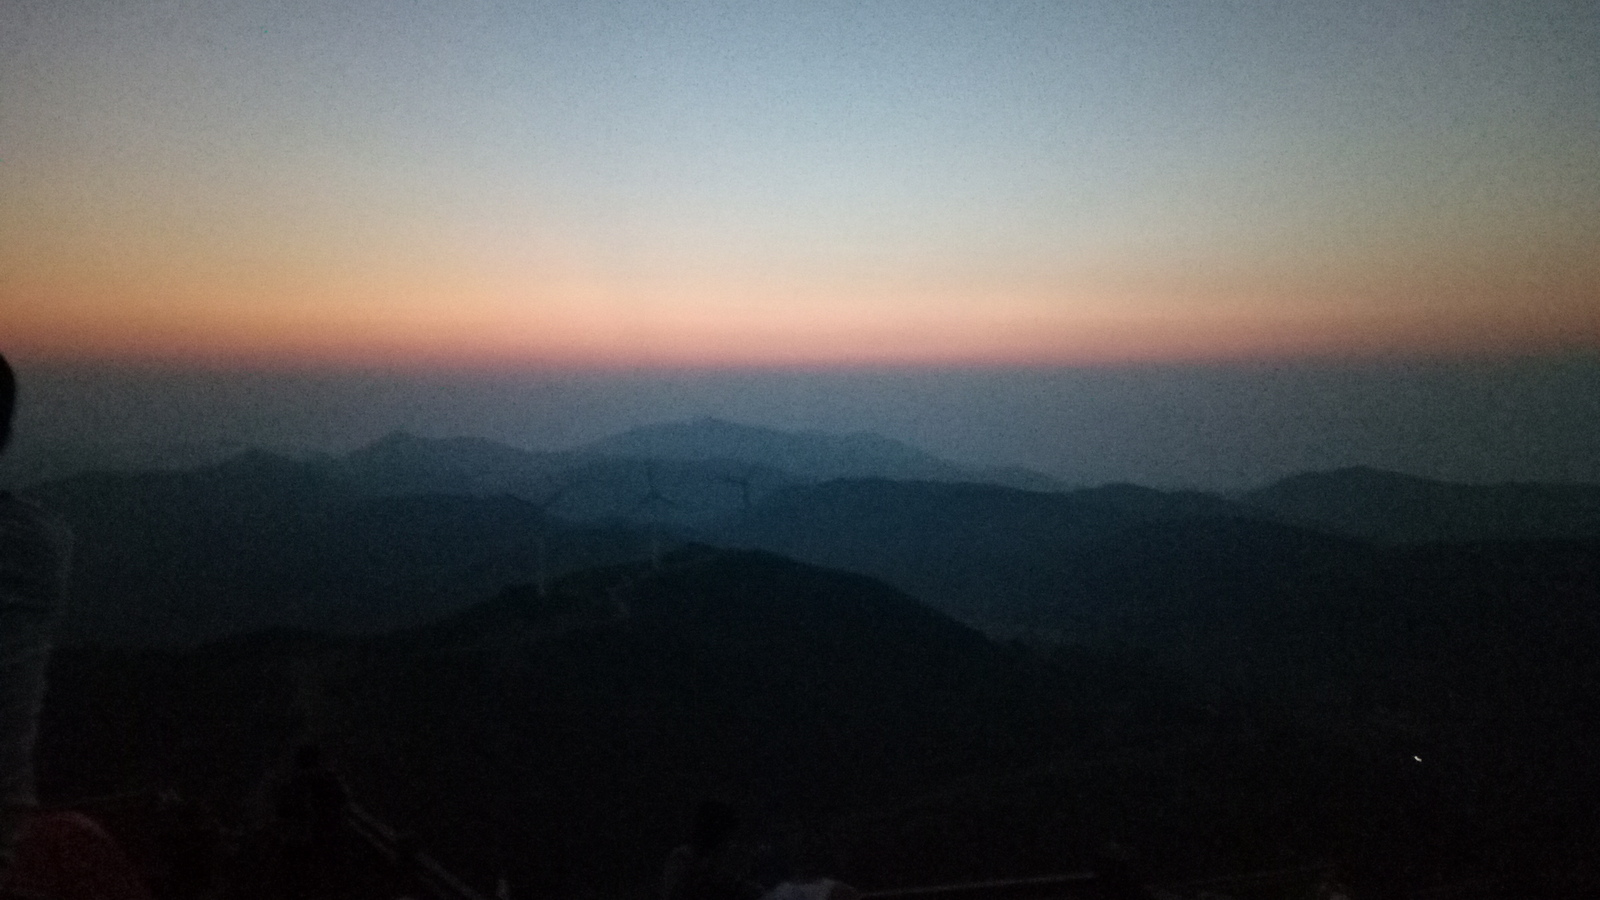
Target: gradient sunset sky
625 184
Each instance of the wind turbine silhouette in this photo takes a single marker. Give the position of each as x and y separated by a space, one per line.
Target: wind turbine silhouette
743 482
652 503
552 495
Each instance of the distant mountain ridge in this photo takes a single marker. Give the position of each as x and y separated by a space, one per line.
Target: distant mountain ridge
814 455
679 472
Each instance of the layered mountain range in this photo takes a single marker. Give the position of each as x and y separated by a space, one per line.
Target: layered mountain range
541 661
407 529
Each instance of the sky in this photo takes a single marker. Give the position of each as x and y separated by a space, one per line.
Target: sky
1178 242
616 184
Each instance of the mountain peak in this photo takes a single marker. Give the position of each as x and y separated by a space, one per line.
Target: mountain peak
811 454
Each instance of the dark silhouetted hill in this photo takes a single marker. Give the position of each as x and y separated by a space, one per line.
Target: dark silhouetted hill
30 459
1223 684
986 554
1421 724
576 730
1391 507
260 541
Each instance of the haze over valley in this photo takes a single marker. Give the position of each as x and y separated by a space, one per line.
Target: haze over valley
1222 426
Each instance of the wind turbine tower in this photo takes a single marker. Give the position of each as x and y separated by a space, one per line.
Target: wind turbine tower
551 497
652 504
743 482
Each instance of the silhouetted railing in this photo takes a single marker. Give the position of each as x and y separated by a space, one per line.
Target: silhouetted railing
1008 889
406 854
1274 883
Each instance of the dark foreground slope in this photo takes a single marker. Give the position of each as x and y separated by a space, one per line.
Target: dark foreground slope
1392 507
567 737
564 738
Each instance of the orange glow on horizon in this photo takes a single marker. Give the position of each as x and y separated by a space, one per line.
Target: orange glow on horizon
567 315
468 340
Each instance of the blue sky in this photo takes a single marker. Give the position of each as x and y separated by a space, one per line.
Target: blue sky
1173 242
699 183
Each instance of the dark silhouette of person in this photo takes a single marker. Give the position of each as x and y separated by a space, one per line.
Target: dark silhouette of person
35 553
712 865
311 807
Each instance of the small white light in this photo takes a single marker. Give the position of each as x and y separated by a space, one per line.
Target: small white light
1417 758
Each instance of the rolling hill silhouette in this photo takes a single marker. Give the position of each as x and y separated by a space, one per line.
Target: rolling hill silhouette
989 555
1391 507
578 728
262 542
